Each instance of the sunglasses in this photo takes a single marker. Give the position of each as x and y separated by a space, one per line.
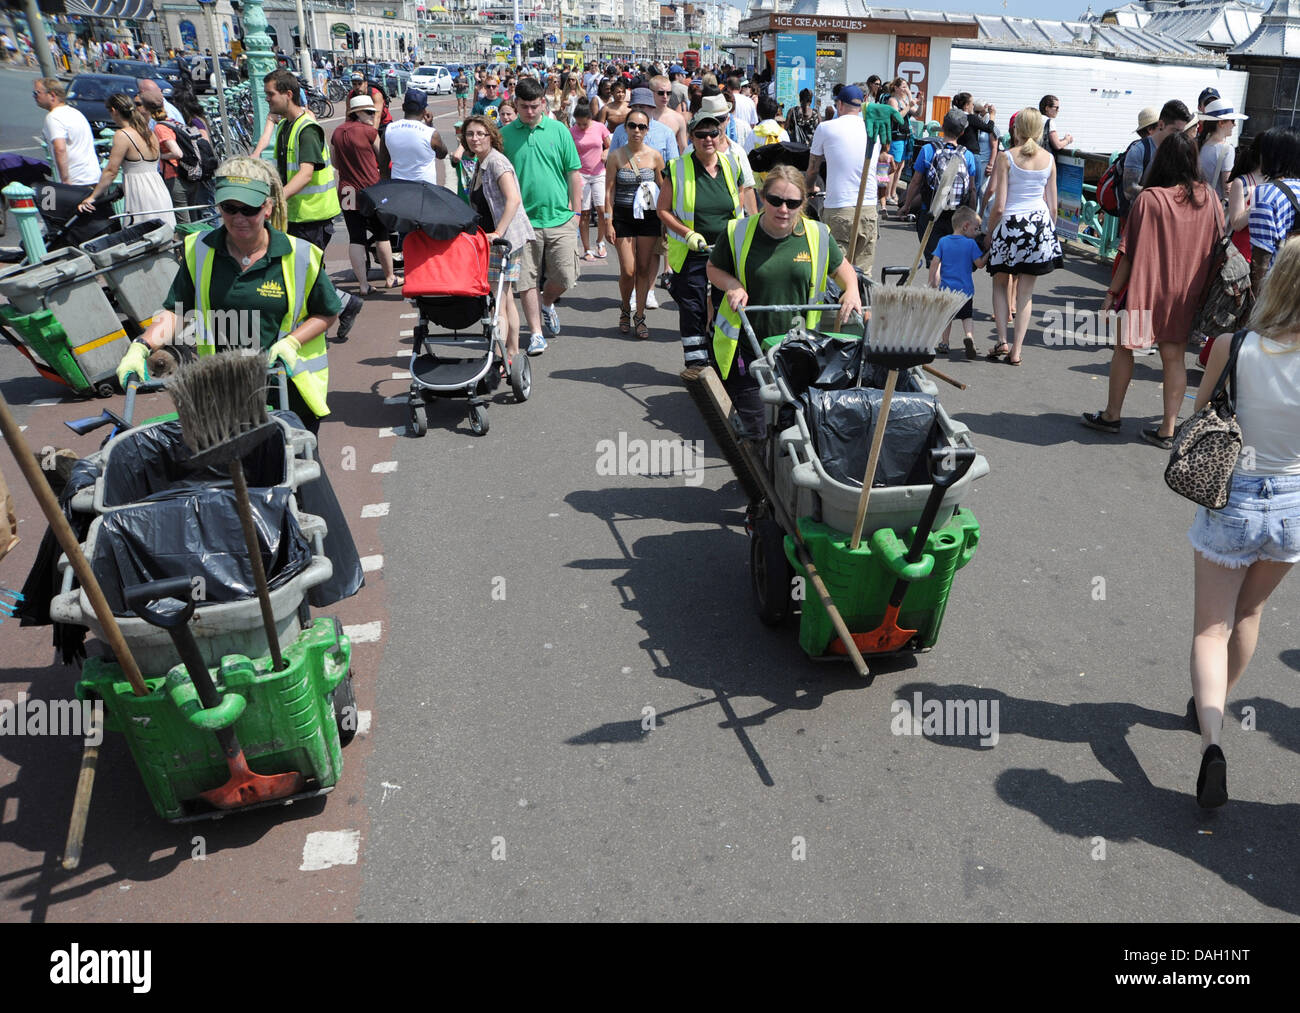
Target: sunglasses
790 202
636 126
235 208
705 135
668 92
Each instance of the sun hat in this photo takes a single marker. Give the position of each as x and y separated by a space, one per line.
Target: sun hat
1148 117
1221 109
642 97
361 102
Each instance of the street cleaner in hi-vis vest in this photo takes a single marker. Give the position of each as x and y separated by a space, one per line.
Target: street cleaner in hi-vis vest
248 285
785 258
703 194
302 158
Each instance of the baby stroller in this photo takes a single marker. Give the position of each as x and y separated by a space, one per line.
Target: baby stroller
446 279
448 282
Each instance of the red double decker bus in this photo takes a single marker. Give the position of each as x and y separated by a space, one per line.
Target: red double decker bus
691 60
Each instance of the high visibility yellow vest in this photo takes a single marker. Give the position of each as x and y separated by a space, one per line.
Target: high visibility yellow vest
740 236
310 372
318 200
683 184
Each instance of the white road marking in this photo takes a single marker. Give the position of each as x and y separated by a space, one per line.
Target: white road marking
385 431
405 334
401 374
375 510
383 467
371 563
409 316
364 633
389 789
324 848
363 722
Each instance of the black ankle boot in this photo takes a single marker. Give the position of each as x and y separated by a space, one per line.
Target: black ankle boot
1212 782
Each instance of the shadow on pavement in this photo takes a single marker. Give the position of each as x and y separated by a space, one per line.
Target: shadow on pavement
1134 809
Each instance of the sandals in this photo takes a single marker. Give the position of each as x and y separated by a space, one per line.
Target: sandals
1012 362
998 351
941 349
589 257
625 319
642 331
601 250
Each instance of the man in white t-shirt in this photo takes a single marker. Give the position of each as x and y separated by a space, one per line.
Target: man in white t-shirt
413 145
842 144
67 133
746 112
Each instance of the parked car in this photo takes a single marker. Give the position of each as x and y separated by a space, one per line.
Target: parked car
433 80
394 77
89 93
136 69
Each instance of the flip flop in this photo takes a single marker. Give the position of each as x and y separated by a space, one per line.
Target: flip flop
996 352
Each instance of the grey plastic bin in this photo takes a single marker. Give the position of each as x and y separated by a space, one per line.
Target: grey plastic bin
220 629
806 490
60 283
140 273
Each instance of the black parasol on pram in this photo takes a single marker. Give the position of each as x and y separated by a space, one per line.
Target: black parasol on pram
404 205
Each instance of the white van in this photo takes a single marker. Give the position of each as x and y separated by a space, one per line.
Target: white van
432 80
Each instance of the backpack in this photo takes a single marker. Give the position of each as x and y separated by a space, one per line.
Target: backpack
1227 299
1115 184
198 157
960 183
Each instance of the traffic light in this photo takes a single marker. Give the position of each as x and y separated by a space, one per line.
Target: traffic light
539 47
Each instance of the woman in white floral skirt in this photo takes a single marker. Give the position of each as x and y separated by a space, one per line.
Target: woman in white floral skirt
1022 227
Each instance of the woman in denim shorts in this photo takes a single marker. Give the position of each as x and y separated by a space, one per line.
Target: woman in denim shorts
1243 551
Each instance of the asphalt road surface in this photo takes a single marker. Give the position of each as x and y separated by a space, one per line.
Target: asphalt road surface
523 610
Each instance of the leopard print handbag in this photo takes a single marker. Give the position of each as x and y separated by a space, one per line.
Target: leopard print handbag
1207 445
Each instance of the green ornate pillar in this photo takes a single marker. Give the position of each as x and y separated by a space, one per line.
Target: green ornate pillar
261 61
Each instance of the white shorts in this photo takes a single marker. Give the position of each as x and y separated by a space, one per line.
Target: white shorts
593 191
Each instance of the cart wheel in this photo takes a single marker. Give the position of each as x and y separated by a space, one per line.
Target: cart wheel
345 710
521 377
104 390
770 572
478 420
419 419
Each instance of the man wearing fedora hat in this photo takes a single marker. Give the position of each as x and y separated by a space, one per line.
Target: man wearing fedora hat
1139 155
355 148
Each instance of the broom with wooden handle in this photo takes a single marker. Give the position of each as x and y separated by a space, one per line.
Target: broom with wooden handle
67 540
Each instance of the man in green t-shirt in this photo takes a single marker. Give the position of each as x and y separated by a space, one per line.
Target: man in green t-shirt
546 163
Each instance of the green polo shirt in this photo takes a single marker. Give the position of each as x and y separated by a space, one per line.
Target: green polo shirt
543 157
713 206
260 288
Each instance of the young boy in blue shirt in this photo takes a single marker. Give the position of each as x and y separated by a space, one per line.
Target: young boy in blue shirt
955 259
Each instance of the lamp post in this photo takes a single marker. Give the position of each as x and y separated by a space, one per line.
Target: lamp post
218 74
261 61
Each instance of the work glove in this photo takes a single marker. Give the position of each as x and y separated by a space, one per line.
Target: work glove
134 362
696 242
285 350
880 118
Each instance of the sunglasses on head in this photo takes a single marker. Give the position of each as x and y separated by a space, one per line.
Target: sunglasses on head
705 135
235 208
790 202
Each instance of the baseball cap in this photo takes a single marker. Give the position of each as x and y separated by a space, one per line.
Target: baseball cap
675 69
414 101
1207 93
358 76
851 95
245 189
1148 117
